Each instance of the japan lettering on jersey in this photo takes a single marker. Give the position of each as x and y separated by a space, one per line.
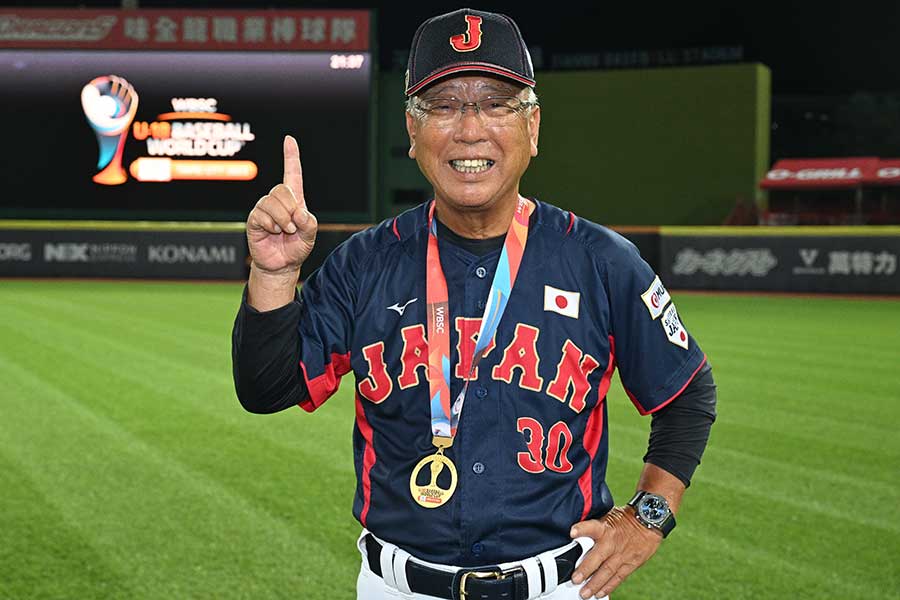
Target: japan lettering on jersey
533 432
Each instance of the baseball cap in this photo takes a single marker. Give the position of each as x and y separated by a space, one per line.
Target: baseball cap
467 40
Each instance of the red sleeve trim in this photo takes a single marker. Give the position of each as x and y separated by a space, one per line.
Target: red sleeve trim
593 433
394 227
675 395
323 386
369 459
571 222
606 380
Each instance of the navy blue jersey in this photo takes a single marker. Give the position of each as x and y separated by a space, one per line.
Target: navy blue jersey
531 449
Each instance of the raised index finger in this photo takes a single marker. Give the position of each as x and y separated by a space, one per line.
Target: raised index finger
293 172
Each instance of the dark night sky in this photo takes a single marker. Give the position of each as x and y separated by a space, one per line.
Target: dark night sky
811 47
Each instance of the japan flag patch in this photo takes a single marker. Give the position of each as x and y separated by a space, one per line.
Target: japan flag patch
675 331
561 302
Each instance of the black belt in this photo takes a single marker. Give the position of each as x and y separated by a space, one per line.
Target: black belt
482 583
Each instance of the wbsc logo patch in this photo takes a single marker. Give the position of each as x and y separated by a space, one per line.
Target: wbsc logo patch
674 329
655 298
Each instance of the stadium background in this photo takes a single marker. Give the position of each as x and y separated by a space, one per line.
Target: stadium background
129 468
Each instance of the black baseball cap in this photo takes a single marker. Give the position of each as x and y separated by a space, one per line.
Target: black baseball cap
467 40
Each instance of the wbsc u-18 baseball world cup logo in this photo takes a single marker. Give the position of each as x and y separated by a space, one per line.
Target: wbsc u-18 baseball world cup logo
109 103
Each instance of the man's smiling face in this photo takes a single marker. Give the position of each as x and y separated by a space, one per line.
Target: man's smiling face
501 153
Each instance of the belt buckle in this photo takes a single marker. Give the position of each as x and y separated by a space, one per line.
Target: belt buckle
496 574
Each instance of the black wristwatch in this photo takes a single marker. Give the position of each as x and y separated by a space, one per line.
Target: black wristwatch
653 512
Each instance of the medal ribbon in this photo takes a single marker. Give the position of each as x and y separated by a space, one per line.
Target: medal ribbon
444 419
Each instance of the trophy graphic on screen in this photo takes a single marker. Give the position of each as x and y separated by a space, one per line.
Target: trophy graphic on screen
109 103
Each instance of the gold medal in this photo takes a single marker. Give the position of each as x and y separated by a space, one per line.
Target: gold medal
432 495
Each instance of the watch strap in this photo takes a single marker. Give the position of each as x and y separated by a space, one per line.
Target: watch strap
668 523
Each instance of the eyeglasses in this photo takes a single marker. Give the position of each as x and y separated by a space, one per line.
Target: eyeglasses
494 110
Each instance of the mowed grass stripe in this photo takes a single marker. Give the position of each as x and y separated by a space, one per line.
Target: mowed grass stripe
720 562
729 563
196 308
153 349
790 570
809 451
103 485
39 548
759 534
780 359
827 497
155 374
751 411
824 356
138 364
798 516
146 360
636 439
768 432
170 506
779 369
182 317
172 414
129 323
851 433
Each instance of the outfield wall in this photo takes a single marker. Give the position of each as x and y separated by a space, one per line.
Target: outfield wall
652 146
858 260
639 147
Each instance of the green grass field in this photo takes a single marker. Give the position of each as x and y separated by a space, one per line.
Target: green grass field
129 470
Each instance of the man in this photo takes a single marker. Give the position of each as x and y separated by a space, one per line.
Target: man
482 329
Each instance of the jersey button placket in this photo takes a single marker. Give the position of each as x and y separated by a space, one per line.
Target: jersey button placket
474 494
480 392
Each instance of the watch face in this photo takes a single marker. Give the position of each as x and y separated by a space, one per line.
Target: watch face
654 509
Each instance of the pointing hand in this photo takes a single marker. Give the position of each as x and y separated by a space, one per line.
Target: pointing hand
281 232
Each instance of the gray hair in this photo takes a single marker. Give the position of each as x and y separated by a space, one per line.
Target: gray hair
526 95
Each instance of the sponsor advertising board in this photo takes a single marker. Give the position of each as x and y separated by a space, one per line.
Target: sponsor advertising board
140 254
802 263
152 253
687 258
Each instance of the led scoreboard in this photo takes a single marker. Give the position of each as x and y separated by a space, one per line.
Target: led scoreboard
176 114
